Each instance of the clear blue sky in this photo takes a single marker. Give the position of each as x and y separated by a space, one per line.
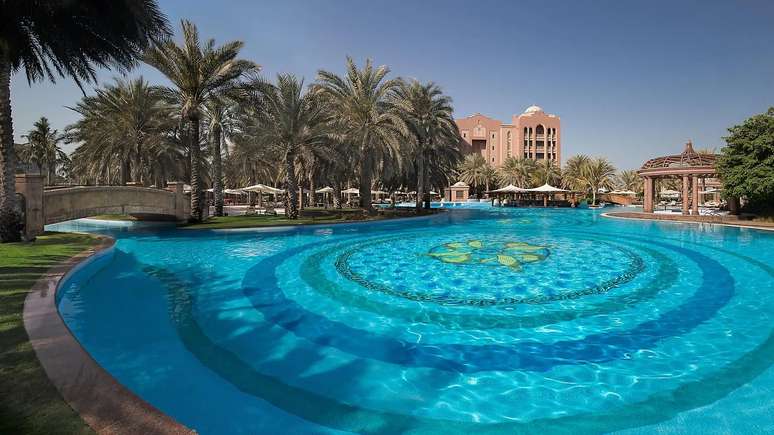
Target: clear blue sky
630 79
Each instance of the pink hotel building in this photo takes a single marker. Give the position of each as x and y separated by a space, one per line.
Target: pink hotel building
534 134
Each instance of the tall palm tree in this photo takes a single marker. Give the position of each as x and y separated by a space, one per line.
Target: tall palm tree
289 121
370 122
429 116
597 173
43 150
516 171
197 71
547 172
89 34
571 175
220 116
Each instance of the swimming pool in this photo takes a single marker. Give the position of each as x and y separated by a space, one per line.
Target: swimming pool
475 320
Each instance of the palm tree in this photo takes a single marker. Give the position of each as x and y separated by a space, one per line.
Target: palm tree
629 180
597 173
474 170
428 114
126 129
198 72
89 33
547 172
571 175
220 116
368 119
43 150
291 121
516 171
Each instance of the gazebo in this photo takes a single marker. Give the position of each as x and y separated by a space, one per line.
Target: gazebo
457 192
689 166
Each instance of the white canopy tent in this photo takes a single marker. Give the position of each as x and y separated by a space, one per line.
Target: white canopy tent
324 190
508 189
351 191
262 188
546 188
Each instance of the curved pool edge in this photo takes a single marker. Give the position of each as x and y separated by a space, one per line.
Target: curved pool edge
615 215
102 402
290 228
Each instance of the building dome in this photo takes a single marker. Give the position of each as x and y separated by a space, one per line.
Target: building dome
533 109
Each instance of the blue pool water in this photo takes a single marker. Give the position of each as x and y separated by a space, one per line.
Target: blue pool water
477 320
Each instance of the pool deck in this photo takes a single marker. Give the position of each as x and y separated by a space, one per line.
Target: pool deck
104 404
718 220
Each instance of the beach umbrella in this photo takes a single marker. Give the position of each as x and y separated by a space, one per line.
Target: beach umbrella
262 188
546 188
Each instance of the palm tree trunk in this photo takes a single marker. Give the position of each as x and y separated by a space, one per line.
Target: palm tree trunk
124 172
217 171
365 186
420 182
291 209
336 194
196 188
251 195
10 221
312 199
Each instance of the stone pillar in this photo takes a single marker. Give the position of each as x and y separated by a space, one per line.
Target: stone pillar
31 189
695 196
686 194
648 195
182 204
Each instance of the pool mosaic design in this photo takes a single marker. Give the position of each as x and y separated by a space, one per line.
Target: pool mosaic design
472 321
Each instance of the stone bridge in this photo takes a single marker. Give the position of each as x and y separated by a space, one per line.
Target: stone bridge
615 198
57 205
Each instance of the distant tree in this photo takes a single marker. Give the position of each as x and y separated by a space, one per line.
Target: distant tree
546 171
746 164
42 149
571 175
126 132
597 173
473 171
435 137
628 180
368 119
516 171
291 120
63 39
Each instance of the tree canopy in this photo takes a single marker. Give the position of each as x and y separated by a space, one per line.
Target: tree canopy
746 164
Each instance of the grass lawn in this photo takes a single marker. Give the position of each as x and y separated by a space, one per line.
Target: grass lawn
308 216
29 404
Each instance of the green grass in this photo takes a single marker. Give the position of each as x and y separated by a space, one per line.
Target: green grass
29 403
307 217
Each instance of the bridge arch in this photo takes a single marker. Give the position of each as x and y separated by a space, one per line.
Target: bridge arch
58 205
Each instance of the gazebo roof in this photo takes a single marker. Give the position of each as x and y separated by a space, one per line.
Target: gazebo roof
687 159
